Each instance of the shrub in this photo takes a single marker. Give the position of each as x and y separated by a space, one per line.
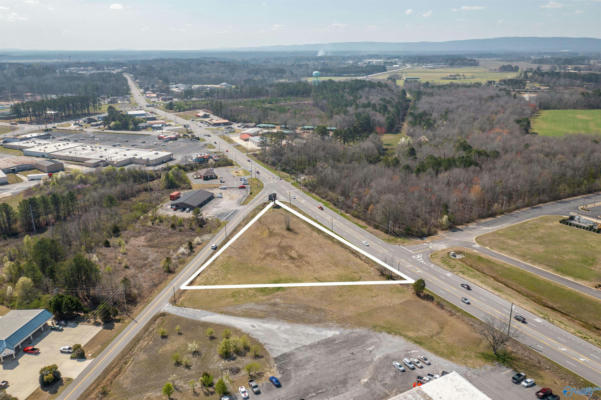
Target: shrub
177 359
419 286
194 348
107 243
255 350
227 334
225 349
49 375
245 343
252 368
178 329
210 333
206 380
168 389
163 333
167 265
187 363
221 387
78 352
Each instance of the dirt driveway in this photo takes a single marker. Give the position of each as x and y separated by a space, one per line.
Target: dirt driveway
22 373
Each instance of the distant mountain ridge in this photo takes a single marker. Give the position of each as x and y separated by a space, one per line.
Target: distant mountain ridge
492 45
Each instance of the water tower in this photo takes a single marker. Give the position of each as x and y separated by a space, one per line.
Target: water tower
316 78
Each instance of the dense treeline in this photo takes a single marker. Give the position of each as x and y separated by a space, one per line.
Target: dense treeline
120 121
572 60
563 79
55 80
56 109
467 156
569 99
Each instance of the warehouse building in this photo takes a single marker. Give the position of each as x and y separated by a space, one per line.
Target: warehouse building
448 387
192 199
18 327
16 164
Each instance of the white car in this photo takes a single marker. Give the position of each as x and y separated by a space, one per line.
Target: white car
398 366
213 246
243 392
528 383
408 363
365 243
67 349
425 360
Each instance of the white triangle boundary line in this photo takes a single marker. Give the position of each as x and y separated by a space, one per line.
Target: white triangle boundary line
186 285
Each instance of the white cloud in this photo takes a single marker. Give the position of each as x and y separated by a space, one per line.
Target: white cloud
32 2
276 27
472 8
116 6
552 4
3 8
427 14
408 11
12 17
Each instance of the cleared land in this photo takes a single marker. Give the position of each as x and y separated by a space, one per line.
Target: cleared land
572 310
545 242
281 248
445 76
149 364
564 122
5 129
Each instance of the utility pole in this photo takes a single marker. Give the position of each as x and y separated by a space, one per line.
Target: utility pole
332 221
510 315
289 198
32 220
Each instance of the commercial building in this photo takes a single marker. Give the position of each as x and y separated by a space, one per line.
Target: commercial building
220 122
19 326
206 174
448 387
3 178
137 113
251 131
192 199
12 165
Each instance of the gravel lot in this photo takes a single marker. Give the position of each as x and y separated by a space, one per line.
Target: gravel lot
328 362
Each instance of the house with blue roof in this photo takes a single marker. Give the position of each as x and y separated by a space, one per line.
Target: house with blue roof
19 326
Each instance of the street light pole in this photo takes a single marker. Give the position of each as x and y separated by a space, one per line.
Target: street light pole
510 315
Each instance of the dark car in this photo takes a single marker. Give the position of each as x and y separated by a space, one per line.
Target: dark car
56 328
275 381
544 393
3 384
466 286
520 318
254 387
518 378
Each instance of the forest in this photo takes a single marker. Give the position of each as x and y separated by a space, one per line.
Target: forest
62 108
468 154
49 79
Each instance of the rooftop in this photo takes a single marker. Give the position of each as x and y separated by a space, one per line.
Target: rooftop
18 324
448 387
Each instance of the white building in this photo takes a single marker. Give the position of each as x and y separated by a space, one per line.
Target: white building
448 387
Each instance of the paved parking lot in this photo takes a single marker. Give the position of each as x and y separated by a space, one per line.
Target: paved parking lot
22 373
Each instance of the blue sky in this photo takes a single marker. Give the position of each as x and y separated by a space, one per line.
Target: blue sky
210 24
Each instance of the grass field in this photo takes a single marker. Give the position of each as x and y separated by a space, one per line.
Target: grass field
10 151
545 242
141 372
465 75
390 141
255 187
13 178
576 312
564 122
270 252
5 129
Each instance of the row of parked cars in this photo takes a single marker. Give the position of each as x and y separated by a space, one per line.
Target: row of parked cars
545 393
254 387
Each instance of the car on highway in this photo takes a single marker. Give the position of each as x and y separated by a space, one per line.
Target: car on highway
320 207
275 381
528 383
254 387
66 349
465 300
518 378
520 318
213 246
398 366
466 286
243 392
425 360
31 350
408 363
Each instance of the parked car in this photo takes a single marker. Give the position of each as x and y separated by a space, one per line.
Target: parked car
416 362
275 381
213 246
241 187
408 363
254 387
222 187
31 350
520 318
365 243
66 349
320 207
398 366
466 286
543 393
425 360
56 328
243 392
518 378
465 300
528 383
3 384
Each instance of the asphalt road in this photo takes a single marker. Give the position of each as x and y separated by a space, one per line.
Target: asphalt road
558 345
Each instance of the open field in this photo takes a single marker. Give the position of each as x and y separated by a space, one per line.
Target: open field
465 75
545 242
13 178
279 248
569 309
5 129
141 372
563 122
10 151
390 141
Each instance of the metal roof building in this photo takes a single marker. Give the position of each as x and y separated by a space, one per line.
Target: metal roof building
18 326
448 387
193 199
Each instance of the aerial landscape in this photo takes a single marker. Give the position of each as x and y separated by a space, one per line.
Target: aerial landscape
282 200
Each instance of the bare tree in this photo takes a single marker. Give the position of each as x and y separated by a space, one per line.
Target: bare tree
496 333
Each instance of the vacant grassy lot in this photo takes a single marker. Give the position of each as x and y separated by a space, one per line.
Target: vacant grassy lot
13 178
390 141
279 247
10 151
574 311
463 75
564 122
141 372
5 129
545 242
